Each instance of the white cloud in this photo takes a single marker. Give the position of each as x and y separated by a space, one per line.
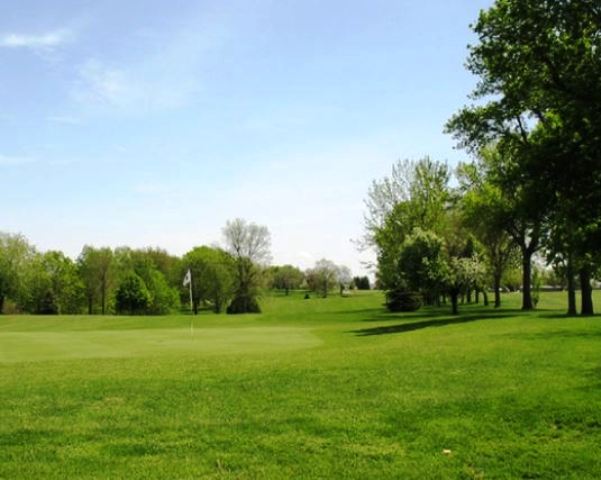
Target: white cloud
129 89
44 41
64 119
9 161
167 77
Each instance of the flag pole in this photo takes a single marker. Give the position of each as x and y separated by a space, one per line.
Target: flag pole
191 306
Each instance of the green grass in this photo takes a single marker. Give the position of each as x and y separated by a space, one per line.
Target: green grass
334 388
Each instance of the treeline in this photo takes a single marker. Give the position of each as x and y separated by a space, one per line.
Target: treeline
533 188
149 281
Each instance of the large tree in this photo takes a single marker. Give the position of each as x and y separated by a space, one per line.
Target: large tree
249 244
396 206
539 99
485 213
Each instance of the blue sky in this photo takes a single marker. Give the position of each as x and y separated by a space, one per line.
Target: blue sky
153 122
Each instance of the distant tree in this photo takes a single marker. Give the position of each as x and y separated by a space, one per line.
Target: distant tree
212 271
148 264
36 295
249 245
344 277
362 283
97 272
286 277
52 285
132 296
15 253
169 265
323 277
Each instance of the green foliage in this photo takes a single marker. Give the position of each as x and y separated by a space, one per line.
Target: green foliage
421 265
242 303
249 246
213 277
362 283
538 102
403 301
422 202
285 277
51 285
132 296
323 277
15 253
98 274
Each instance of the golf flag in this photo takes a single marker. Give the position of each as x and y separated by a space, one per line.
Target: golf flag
188 278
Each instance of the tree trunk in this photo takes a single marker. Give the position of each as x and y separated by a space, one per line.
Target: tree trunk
90 304
485 297
469 295
455 309
527 280
1 304
571 287
586 292
497 287
477 300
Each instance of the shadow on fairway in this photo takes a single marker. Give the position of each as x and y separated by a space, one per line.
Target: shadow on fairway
439 320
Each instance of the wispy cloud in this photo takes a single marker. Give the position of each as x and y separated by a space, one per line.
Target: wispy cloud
167 76
39 42
136 90
10 161
64 119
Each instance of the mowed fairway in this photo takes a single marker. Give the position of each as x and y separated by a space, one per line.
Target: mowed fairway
333 388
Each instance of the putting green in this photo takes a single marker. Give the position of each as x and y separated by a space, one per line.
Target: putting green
31 346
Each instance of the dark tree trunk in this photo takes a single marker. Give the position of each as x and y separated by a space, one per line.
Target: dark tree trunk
485 297
90 304
455 308
571 287
469 295
1 304
497 287
477 296
527 280
287 290
586 291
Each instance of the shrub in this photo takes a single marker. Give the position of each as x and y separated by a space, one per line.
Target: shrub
132 295
244 304
403 301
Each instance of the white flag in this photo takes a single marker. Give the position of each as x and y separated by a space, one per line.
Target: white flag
188 278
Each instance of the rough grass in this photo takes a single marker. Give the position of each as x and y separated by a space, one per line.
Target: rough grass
334 388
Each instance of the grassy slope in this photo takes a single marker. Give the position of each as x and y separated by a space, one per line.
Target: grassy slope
330 388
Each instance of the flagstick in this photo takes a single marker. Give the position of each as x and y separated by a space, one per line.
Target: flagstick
191 308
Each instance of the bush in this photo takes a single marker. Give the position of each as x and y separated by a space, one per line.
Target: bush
244 304
132 295
403 301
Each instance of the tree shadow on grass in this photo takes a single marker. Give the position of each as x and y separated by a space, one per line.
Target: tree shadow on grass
383 315
433 320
